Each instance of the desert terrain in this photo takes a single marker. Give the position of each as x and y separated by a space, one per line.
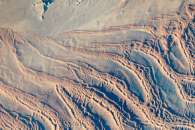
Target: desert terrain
97 65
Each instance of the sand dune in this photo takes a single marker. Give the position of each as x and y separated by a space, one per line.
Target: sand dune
97 65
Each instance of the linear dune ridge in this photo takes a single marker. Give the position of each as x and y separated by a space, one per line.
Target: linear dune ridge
97 65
